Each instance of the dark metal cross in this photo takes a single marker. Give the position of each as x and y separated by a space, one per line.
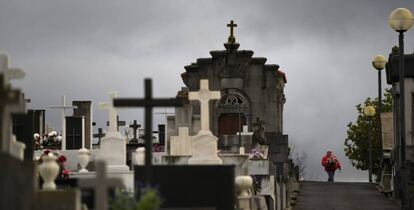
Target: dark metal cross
231 38
148 103
135 127
99 135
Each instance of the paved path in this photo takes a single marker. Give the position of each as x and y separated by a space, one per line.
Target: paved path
342 196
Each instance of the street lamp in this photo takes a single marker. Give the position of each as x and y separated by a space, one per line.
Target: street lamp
369 111
378 63
401 20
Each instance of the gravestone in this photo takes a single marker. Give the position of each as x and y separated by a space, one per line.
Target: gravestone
74 132
11 101
135 127
161 134
99 135
113 145
192 186
25 125
84 109
68 199
62 109
101 184
17 183
119 123
204 144
148 103
181 144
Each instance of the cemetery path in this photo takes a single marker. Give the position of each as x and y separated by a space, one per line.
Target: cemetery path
342 196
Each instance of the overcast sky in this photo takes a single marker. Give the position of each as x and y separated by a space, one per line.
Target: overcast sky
83 49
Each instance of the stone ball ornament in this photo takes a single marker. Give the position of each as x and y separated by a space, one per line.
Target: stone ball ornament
401 19
243 184
369 111
379 62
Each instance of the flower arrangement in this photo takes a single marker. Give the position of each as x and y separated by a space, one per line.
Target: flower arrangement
51 141
60 159
158 148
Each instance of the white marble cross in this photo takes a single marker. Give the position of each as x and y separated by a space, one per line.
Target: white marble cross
111 113
9 73
245 131
11 101
180 145
101 185
63 108
204 95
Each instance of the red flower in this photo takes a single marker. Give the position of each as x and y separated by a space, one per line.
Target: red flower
46 152
62 159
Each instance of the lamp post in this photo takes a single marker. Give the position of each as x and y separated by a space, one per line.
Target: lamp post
369 111
401 20
378 63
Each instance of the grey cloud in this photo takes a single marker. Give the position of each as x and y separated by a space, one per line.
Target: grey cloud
86 48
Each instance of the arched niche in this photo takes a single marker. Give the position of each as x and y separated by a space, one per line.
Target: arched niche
232 111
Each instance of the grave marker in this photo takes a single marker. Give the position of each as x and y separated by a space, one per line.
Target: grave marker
148 102
99 135
101 185
135 127
113 147
11 101
62 115
181 145
204 144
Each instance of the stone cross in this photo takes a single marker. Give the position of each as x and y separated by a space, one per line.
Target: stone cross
62 115
148 102
113 121
245 131
181 144
204 95
9 73
231 38
11 100
118 123
101 184
99 135
135 127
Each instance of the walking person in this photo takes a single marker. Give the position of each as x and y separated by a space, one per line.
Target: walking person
331 164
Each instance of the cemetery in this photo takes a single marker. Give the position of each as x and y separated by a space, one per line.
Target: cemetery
223 140
224 147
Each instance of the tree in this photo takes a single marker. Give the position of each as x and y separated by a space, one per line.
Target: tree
356 143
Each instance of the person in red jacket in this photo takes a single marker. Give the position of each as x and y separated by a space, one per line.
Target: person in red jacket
330 163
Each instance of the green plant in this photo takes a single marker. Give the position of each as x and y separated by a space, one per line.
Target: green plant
125 200
356 142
